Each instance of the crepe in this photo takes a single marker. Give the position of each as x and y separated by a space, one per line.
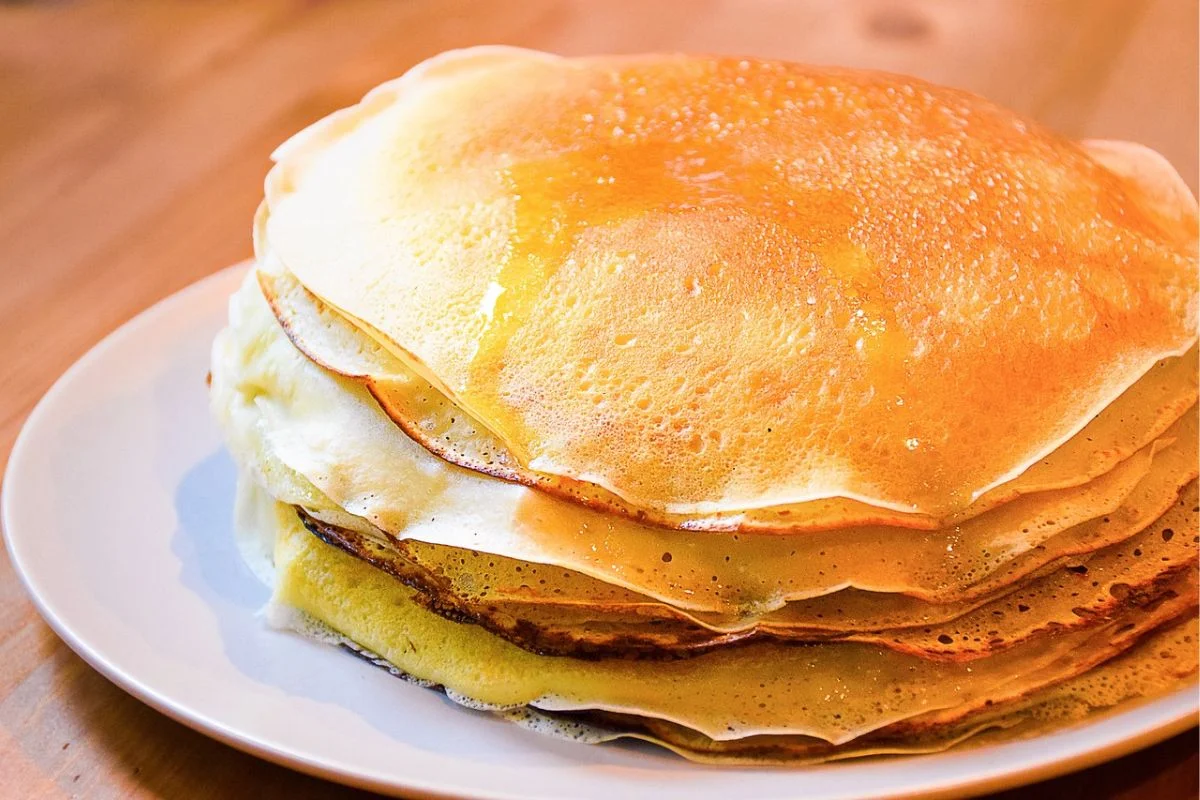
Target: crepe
767 413
828 691
704 284
340 453
1082 592
1143 412
1157 666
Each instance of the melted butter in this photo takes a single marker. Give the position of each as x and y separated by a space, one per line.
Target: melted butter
556 200
868 317
869 321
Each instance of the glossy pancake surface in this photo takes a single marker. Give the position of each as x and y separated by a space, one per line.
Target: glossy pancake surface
1158 664
1141 414
545 611
711 284
319 441
825 691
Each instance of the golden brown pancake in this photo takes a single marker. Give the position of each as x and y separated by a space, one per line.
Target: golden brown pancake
829 691
764 412
1143 412
324 438
1081 592
1156 666
715 284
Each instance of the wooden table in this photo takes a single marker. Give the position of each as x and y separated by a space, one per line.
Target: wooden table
133 142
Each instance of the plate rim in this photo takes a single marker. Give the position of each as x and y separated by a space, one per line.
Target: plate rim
937 786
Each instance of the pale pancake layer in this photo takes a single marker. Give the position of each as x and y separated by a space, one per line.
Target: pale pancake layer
831 691
319 441
1140 414
708 285
1087 591
1163 662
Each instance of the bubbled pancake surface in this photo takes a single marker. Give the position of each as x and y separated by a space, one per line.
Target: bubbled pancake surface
710 284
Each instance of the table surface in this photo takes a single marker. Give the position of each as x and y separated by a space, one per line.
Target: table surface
134 138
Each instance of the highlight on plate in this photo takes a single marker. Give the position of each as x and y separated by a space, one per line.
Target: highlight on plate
767 412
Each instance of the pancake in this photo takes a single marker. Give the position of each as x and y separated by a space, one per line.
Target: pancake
318 441
1082 593
826 691
646 297
1028 714
1142 413
1155 667
762 412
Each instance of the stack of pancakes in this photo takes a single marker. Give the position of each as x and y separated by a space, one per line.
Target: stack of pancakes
767 412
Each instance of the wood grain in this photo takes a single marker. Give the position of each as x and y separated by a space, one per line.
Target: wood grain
134 138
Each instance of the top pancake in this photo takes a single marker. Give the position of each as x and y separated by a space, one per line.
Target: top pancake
710 285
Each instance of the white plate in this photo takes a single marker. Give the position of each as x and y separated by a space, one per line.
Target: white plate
117 507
